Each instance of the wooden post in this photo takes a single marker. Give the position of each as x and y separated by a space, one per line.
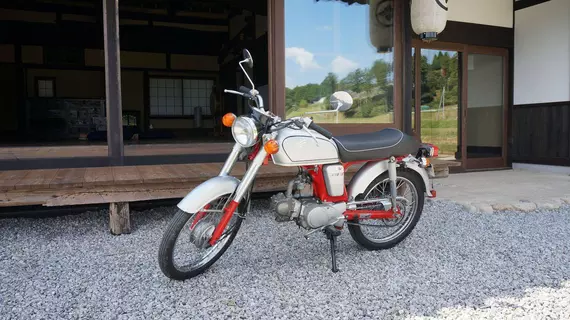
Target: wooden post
113 81
119 218
407 65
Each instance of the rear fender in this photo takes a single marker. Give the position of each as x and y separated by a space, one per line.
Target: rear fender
370 171
207 192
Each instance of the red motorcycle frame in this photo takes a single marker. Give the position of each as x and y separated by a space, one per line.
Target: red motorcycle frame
320 192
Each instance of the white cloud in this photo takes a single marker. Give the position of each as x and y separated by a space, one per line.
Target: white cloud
304 58
324 28
342 65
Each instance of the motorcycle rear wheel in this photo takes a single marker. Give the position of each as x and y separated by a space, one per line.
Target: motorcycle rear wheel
199 229
409 217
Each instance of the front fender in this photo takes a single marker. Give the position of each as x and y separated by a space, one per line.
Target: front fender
208 191
365 175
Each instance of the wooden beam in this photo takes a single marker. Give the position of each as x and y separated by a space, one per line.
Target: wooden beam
522 4
125 13
407 68
113 82
276 49
476 35
119 218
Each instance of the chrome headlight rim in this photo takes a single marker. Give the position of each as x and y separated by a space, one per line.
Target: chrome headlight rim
248 138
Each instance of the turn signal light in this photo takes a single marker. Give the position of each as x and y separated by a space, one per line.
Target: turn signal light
228 119
424 162
271 147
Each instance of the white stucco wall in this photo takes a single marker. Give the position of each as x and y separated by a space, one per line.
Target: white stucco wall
489 12
542 53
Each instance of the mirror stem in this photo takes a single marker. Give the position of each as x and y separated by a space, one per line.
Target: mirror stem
247 75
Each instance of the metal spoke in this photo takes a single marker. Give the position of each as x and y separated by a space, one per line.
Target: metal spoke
192 242
407 202
398 185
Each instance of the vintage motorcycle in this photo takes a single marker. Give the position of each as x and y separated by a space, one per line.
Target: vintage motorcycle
386 193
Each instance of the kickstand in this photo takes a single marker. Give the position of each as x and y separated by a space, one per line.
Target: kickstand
331 233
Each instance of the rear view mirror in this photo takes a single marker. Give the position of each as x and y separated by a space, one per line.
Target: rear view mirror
248 58
341 101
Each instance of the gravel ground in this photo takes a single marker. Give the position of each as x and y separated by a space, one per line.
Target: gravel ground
454 265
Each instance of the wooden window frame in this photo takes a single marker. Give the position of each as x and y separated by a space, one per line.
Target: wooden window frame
182 78
276 40
37 86
465 50
491 162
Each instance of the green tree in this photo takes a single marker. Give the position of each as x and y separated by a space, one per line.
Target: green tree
367 110
289 99
329 84
358 80
426 90
381 69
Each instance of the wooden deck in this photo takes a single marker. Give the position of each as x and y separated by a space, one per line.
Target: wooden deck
75 186
59 187
118 186
81 151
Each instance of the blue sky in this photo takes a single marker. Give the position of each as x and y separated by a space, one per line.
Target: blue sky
326 36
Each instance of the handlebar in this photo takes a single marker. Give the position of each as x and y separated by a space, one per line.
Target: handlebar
320 130
243 89
243 94
247 93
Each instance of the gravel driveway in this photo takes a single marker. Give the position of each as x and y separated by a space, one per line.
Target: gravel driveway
454 265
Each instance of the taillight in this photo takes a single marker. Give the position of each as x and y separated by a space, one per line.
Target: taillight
431 150
434 152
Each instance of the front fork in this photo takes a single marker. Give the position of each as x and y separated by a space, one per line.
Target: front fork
392 176
242 188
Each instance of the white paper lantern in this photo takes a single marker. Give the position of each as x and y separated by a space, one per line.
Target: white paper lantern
381 24
429 18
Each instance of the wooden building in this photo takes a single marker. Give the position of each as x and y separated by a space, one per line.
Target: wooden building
94 84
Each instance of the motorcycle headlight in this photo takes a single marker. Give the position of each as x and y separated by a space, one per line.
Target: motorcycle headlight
244 131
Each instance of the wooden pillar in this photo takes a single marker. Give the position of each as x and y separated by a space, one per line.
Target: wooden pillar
407 79
119 218
276 43
113 82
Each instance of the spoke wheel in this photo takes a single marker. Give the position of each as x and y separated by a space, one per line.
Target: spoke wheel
185 251
375 234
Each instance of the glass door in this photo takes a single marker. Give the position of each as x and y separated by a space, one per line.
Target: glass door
485 108
438 100
460 102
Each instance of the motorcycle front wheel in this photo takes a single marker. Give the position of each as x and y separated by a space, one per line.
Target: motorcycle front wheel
377 234
185 251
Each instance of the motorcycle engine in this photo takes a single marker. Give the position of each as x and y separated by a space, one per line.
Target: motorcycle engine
300 205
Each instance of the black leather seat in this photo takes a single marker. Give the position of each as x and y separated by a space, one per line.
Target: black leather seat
375 145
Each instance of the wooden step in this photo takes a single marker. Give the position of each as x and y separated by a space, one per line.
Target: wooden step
441 167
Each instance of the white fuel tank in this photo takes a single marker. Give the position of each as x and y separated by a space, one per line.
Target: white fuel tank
298 148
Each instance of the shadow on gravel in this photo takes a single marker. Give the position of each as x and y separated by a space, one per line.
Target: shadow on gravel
454 263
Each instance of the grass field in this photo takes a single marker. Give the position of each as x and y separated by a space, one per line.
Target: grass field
436 127
441 129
